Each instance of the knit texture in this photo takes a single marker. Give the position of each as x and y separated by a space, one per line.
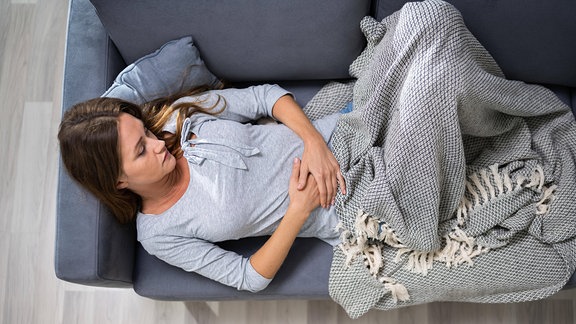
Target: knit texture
461 183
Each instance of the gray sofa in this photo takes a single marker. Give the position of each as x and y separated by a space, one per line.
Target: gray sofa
298 44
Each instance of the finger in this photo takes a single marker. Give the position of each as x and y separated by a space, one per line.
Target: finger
312 186
295 170
322 191
303 176
329 189
334 189
341 182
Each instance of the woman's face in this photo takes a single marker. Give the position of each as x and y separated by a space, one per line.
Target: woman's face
145 159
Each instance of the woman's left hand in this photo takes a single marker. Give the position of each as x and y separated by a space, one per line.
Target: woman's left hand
317 158
319 161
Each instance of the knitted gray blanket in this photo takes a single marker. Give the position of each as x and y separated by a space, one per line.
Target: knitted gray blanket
461 183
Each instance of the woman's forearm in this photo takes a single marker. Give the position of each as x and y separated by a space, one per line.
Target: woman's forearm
288 112
269 258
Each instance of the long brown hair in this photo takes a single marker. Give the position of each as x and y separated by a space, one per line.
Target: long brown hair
158 112
88 137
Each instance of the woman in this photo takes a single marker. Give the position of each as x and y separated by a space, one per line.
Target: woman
196 171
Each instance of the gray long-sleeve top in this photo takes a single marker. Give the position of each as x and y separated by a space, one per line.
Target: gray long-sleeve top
239 176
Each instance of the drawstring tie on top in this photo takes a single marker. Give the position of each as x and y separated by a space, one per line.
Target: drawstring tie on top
223 151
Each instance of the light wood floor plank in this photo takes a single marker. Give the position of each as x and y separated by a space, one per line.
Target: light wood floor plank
230 312
46 50
549 311
4 25
23 1
35 152
79 308
4 254
202 313
322 312
12 92
21 296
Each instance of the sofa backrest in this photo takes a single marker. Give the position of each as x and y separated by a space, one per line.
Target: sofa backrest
532 40
251 40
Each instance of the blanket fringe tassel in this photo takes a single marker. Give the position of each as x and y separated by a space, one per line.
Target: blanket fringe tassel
371 235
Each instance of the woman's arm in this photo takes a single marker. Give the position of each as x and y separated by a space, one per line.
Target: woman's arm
268 259
317 158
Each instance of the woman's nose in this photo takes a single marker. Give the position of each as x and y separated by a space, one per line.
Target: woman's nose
159 146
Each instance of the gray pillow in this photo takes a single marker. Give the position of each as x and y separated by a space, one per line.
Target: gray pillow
174 67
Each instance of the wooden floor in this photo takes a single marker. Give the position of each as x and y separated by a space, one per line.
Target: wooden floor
32 35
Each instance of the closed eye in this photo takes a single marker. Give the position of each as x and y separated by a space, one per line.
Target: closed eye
142 150
142 141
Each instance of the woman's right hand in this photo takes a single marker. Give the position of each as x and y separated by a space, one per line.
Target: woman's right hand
268 259
306 200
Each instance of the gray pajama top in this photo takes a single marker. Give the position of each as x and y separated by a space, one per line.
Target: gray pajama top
239 176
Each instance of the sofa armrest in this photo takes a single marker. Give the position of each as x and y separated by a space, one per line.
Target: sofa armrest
92 248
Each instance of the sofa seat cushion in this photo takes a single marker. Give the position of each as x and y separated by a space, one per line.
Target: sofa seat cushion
304 275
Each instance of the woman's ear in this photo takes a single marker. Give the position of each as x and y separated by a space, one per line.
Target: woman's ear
121 185
122 182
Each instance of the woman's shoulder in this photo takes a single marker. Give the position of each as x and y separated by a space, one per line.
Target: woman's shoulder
153 227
